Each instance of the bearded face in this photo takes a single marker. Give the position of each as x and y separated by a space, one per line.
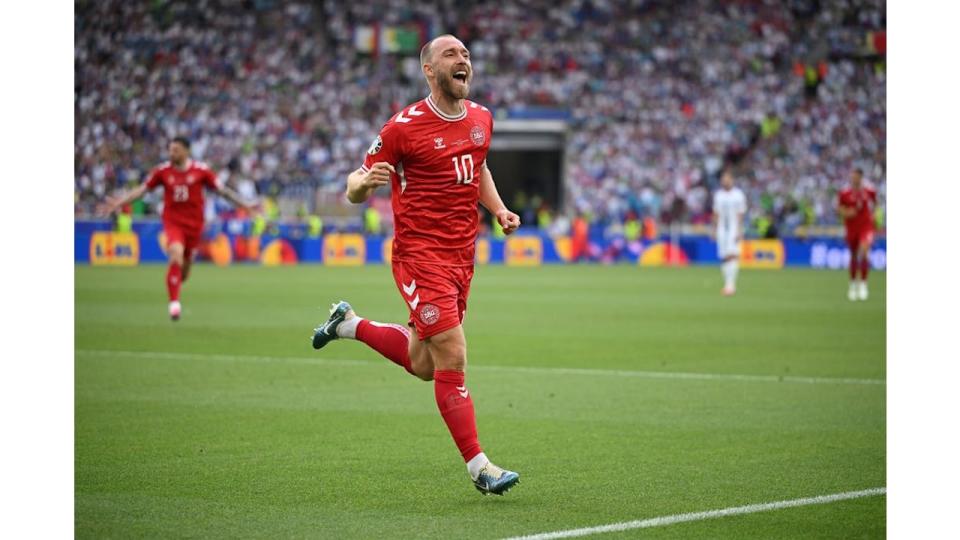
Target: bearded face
178 153
451 67
454 80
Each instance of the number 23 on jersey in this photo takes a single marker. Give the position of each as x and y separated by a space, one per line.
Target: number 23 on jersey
181 193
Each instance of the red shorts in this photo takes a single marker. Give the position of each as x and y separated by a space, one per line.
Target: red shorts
178 234
859 237
436 295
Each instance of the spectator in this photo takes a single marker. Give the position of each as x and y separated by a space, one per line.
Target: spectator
661 95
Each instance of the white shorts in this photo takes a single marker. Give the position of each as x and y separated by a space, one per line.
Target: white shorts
727 245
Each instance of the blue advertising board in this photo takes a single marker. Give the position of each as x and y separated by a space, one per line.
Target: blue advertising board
290 244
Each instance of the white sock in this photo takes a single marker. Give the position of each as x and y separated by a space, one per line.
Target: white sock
727 270
734 268
348 328
478 462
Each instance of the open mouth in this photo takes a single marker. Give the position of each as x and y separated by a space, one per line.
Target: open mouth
460 76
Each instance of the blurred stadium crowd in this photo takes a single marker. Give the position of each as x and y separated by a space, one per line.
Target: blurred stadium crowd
660 95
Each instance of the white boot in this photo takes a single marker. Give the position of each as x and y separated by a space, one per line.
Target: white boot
174 310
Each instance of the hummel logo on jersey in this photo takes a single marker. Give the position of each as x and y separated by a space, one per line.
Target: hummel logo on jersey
408 289
463 391
413 303
438 143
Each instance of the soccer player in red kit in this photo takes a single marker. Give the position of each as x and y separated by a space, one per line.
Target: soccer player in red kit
433 152
183 181
856 203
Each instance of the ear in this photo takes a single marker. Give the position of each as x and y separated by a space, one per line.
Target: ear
428 71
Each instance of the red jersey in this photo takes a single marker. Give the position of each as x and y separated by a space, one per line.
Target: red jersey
863 200
435 190
183 191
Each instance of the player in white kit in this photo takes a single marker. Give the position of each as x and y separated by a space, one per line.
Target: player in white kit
729 207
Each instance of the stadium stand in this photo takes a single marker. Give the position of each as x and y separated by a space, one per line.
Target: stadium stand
660 95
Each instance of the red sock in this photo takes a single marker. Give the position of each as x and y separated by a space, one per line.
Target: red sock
864 268
854 261
390 340
456 407
173 281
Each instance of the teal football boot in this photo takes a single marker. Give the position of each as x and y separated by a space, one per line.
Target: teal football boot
493 479
327 332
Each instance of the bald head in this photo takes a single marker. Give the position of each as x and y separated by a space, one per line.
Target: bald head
426 52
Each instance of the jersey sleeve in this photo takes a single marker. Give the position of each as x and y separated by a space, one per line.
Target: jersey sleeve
154 179
742 203
388 147
210 179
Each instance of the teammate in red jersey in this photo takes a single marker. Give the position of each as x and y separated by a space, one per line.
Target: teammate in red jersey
183 180
433 152
855 204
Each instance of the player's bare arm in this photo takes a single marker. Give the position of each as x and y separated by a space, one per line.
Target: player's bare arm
490 199
114 203
236 200
846 212
360 185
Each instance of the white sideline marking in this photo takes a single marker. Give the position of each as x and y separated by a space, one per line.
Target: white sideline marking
699 516
685 375
512 369
161 355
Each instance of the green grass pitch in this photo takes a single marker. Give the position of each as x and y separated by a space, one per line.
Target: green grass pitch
228 424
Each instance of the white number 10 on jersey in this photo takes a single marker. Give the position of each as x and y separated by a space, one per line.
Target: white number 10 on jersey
464 171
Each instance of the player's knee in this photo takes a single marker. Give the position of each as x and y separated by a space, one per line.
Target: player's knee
452 362
421 365
175 251
424 374
449 351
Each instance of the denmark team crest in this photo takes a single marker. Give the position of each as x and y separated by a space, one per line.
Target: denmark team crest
429 314
477 135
